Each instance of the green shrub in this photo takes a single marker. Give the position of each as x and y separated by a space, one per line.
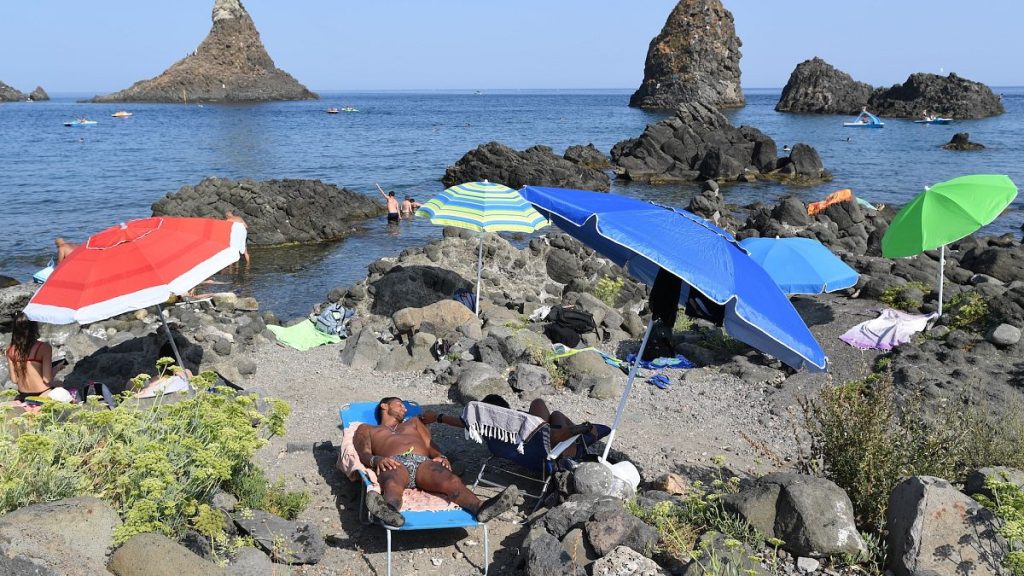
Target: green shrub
968 311
1008 505
683 323
897 296
607 289
718 341
155 465
862 439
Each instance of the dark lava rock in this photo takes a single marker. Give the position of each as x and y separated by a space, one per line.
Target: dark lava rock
276 211
962 141
231 65
816 86
8 94
695 58
38 95
699 143
950 96
537 166
588 156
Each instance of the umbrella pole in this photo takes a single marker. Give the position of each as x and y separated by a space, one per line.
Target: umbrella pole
942 266
625 393
479 269
174 347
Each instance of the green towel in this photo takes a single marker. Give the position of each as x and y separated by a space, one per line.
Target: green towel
302 336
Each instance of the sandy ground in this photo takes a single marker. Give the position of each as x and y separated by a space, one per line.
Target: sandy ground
703 414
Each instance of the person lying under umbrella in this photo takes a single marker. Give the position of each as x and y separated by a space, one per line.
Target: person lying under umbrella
404 456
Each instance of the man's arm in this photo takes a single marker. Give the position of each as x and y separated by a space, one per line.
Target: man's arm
382 193
361 442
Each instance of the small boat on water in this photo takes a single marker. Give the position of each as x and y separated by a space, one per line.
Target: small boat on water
81 122
121 114
332 110
350 109
865 120
933 120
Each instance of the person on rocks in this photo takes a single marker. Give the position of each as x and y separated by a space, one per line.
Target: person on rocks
404 456
562 428
394 211
30 361
63 248
231 217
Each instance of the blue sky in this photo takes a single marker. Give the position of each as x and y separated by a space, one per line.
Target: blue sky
105 45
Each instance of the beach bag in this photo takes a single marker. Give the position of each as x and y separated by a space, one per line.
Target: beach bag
334 320
580 321
559 334
465 297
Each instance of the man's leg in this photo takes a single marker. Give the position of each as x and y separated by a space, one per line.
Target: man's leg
434 477
386 507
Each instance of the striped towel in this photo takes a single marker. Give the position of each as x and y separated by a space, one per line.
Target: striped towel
503 424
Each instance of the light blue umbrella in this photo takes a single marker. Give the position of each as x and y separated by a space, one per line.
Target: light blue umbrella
800 265
645 238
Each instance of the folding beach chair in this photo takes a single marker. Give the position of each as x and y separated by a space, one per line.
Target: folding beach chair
538 457
439 513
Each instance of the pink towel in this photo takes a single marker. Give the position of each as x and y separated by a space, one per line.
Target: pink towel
889 330
412 500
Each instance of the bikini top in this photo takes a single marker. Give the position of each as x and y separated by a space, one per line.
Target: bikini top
33 354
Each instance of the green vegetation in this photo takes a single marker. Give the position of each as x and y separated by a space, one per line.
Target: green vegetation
862 439
541 357
1008 505
968 311
897 296
607 289
156 465
683 323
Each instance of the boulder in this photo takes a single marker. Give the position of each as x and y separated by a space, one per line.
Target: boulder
596 479
1004 335
579 549
477 380
287 542
413 287
947 96
699 143
961 141
574 512
363 350
157 555
935 529
609 529
230 65
66 535
975 483
623 561
530 380
816 87
275 211
588 156
249 562
813 516
13 300
545 556
695 58
443 317
537 166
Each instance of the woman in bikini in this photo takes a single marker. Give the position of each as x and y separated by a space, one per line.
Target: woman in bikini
29 360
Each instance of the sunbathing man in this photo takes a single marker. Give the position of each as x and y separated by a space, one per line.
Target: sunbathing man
404 456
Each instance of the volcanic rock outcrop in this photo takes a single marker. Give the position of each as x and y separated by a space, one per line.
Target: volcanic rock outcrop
948 96
698 143
695 58
816 86
8 94
231 65
276 211
38 95
537 166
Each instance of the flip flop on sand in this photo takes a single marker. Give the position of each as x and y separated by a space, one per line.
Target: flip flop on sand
498 504
385 512
659 380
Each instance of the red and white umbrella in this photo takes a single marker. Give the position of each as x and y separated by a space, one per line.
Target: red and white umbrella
134 265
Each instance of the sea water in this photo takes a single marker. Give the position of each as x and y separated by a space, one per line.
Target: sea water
73 182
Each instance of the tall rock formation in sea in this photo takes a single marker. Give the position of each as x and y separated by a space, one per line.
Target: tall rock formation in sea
231 65
8 94
695 58
818 87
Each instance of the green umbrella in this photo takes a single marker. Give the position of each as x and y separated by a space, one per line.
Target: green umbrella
946 213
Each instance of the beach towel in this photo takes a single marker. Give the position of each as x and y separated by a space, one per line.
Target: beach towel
302 336
503 424
679 361
889 330
844 195
413 500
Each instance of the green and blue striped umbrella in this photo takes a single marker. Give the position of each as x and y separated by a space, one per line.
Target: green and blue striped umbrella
484 207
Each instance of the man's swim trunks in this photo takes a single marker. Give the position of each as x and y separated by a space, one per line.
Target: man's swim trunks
412 464
392 216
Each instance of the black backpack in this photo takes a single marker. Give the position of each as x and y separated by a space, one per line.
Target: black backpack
579 321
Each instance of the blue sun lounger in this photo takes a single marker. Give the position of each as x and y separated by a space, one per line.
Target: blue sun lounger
419 520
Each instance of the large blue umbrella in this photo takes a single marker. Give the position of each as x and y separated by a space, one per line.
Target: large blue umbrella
800 265
646 238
